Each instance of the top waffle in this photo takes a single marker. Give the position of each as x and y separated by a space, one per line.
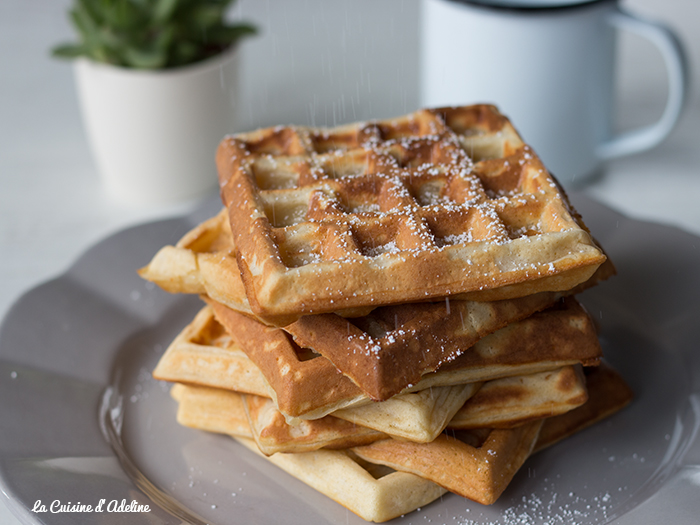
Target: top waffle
436 203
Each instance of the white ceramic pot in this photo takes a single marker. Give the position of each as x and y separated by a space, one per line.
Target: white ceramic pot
154 133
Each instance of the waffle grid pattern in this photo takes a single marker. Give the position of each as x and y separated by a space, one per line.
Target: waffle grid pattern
451 198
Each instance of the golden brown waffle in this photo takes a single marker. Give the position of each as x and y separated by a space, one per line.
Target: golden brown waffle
273 434
373 492
254 417
311 386
607 393
436 203
419 417
499 403
302 383
479 463
476 464
378 493
224 411
207 409
512 401
392 348
203 353
202 262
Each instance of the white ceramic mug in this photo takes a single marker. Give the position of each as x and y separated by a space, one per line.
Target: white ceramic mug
550 66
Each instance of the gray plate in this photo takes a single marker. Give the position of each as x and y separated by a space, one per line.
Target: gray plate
81 419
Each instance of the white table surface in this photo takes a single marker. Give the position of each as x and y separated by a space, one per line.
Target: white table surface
52 205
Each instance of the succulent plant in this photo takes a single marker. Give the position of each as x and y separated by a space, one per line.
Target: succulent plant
151 34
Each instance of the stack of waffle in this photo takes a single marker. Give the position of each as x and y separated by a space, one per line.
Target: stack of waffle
390 308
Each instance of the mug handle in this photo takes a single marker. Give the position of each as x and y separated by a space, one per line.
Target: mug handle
676 61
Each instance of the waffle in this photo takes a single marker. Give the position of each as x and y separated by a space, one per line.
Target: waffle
253 417
202 262
371 491
499 403
479 463
203 353
310 387
393 347
607 394
206 408
436 203
272 433
302 384
550 394
378 493
513 401
419 418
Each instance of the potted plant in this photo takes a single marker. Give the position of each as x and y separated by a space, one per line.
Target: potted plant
158 84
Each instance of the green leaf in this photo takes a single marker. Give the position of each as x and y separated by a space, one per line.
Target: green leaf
152 33
84 23
163 41
226 36
109 38
184 52
145 59
205 16
164 10
69 51
92 9
102 54
124 15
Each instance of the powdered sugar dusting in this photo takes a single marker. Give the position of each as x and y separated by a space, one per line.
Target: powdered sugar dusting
546 508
